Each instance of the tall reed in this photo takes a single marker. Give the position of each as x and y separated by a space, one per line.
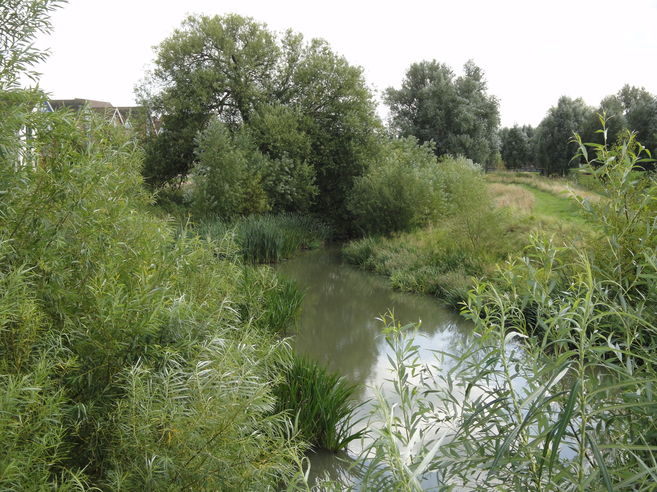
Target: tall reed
270 238
321 403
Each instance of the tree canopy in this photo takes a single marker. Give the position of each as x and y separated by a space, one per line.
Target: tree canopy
299 101
554 145
456 113
516 146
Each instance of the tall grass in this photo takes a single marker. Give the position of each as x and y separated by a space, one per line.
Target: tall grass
512 196
322 404
270 238
268 301
440 260
567 188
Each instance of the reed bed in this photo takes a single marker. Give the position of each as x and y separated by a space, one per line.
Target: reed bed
269 238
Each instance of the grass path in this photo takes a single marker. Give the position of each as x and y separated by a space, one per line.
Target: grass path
559 207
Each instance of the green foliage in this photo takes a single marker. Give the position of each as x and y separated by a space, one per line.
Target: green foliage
624 255
209 424
631 108
400 192
456 113
227 180
321 403
269 302
554 148
269 238
289 184
307 110
124 361
571 408
465 240
517 146
170 154
118 334
288 177
20 22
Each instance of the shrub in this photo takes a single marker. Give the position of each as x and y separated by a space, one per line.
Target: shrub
136 311
227 180
398 193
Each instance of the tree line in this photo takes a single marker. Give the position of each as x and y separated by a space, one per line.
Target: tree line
257 121
550 146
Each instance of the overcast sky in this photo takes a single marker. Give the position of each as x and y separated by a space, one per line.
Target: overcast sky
531 52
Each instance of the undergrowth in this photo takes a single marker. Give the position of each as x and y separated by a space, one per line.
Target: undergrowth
128 360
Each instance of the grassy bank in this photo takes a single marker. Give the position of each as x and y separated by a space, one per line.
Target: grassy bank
443 259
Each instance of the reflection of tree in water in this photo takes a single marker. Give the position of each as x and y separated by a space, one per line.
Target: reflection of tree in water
338 325
341 469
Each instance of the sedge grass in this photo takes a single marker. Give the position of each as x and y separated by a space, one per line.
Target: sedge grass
320 402
269 238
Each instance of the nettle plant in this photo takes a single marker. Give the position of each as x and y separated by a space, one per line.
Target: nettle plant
556 389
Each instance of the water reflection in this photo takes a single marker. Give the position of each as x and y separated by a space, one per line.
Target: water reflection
340 329
339 326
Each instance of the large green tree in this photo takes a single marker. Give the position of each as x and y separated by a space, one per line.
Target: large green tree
554 135
640 114
300 101
516 146
456 113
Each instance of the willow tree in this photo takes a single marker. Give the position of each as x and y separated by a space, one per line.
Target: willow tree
456 113
299 100
554 135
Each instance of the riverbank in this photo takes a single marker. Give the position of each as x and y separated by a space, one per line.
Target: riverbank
443 259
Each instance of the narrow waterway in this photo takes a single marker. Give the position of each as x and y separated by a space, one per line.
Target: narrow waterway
339 327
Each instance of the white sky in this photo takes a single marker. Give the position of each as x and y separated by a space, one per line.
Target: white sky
532 52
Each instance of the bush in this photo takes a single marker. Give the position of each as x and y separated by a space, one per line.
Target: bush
138 328
227 180
400 192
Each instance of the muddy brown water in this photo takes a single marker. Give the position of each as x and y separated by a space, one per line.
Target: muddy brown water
339 328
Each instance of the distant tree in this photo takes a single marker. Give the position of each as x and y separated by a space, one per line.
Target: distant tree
631 108
554 148
640 112
456 113
300 102
516 146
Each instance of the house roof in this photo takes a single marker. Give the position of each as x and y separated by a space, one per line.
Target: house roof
79 103
117 114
